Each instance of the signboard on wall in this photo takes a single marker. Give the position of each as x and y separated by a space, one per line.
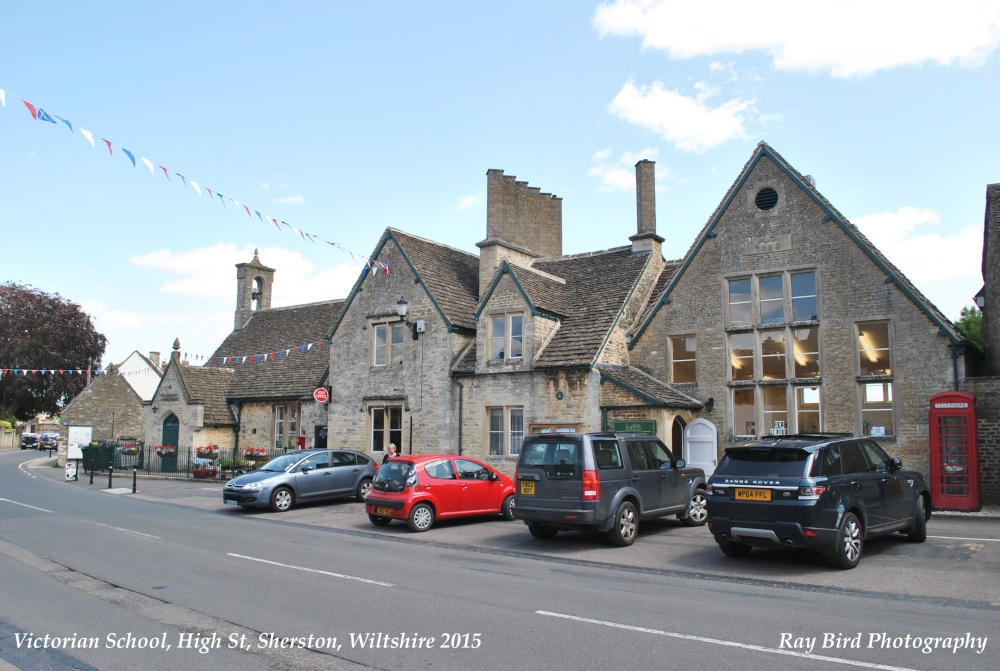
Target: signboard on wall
646 427
77 438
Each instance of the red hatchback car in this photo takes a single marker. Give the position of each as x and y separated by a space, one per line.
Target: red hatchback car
425 487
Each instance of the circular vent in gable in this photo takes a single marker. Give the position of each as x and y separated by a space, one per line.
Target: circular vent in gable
766 198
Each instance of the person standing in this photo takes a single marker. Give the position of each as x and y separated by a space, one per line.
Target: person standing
390 454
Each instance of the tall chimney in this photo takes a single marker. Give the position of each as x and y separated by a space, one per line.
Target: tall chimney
645 240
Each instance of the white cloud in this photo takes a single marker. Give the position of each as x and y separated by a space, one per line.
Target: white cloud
845 37
291 200
925 256
466 202
687 122
619 174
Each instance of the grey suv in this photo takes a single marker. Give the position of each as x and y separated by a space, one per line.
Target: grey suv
827 493
603 482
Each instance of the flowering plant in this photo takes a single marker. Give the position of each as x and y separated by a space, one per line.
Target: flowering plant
129 449
165 450
207 452
253 452
204 472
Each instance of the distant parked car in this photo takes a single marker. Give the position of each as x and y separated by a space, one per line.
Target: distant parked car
30 441
423 488
49 440
300 476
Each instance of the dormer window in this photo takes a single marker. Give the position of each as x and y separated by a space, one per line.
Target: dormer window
506 336
389 340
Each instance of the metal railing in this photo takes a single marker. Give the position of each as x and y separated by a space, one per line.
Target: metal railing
126 456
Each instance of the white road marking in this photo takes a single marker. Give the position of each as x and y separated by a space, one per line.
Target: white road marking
956 538
731 644
128 531
117 490
27 506
312 570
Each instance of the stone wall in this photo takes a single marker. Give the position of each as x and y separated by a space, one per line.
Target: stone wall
987 393
109 406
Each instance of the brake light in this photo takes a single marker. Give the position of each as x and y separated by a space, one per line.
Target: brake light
516 475
810 493
591 486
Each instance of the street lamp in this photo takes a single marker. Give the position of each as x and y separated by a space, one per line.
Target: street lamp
415 327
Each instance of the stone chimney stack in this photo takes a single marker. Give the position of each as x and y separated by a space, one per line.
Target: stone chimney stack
155 358
646 240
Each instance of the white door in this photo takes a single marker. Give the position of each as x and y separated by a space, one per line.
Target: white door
701 445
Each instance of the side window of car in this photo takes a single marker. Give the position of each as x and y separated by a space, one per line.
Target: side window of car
659 456
470 470
827 463
316 461
877 456
441 470
854 458
607 454
637 455
345 459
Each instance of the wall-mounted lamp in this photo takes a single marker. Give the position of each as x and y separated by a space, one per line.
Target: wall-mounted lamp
416 327
628 337
710 404
155 410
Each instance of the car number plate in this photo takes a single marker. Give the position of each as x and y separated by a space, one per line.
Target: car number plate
383 511
231 503
753 494
527 487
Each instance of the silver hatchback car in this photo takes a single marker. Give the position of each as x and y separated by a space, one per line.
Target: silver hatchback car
304 475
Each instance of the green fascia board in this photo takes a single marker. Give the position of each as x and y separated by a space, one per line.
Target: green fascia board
417 280
709 233
505 269
605 377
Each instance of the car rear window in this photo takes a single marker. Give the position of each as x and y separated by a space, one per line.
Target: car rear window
763 462
559 460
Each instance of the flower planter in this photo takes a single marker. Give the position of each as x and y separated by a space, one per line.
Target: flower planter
205 473
208 455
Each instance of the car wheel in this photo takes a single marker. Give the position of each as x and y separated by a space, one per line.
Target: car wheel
507 509
379 521
850 543
542 532
697 510
625 527
734 548
281 499
918 532
364 487
421 517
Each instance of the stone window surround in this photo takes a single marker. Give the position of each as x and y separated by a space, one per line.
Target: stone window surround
505 432
755 299
506 348
393 347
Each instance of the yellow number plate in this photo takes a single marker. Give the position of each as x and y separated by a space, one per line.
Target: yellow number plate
527 487
383 511
753 494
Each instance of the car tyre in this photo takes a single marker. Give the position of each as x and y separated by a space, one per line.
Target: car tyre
542 532
507 509
625 527
734 548
421 517
918 532
697 513
281 499
379 521
850 543
364 487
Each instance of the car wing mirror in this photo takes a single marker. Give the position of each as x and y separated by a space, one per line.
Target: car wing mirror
306 469
896 464
494 476
680 463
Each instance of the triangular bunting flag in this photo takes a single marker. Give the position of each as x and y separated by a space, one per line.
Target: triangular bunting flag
87 134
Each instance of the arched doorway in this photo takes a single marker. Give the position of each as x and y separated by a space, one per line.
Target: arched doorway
701 445
170 433
677 437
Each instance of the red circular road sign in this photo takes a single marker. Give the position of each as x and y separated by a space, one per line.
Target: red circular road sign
321 395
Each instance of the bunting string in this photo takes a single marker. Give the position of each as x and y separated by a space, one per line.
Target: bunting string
268 356
40 114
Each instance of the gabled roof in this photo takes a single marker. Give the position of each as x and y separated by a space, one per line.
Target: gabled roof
598 286
283 370
893 274
543 293
207 387
655 392
141 375
449 276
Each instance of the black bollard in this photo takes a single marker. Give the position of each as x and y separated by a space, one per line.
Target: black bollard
134 471
92 469
111 472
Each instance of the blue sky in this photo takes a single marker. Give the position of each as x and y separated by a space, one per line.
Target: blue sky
344 118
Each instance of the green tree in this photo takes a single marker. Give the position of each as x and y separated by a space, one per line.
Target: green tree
40 331
971 325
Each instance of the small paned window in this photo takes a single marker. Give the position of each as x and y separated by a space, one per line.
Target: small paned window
388 343
772 355
744 412
516 430
279 426
741 347
807 413
805 347
873 348
516 336
775 410
804 297
387 427
496 431
876 409
498 336
772 299
683 350
740 303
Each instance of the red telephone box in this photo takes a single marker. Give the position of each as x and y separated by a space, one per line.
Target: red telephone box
954 451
